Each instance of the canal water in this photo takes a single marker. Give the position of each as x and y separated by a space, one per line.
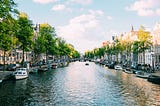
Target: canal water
80 85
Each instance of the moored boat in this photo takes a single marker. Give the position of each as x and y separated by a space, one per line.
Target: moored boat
86 63
42 69
128 70
33 70
142 74
154 79
54 66
21 73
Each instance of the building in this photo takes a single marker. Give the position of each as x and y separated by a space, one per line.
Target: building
156 45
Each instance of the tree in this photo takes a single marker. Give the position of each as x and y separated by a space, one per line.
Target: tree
7 25
61 46
47 32
7 8
25 33
39 47
144 39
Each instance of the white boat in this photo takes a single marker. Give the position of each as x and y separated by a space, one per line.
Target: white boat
118 67
142 74
21 73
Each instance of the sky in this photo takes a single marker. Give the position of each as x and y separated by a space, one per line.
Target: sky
86 24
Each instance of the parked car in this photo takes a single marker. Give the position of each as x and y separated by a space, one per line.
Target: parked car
12 67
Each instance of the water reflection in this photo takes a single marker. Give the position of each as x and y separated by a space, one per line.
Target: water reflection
80 85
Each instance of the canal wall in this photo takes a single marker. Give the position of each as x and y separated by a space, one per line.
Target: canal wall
5 75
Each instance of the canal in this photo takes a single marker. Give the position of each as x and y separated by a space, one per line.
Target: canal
80 85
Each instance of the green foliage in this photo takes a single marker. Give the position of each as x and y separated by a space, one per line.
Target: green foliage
7 7
7 25
39 45
46 32
135 47
25 33
75 54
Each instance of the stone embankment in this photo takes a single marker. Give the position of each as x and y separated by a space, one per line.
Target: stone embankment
5 75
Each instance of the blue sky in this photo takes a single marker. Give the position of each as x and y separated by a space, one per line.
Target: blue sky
87 23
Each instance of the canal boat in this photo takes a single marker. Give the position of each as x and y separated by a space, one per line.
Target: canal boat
142 74
42 69
20 73
35 70
118 67
128 70
54 66
154 79
86 64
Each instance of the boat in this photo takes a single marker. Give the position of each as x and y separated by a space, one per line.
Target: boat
128 70
142 74
54 66
87 64
35 70
118 67
42 69
154 79
20 73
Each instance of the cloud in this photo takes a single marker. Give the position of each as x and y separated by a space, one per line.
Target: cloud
85 31
58 7
142 4
158 12
82 2
109 18
143 7
145 12
44 1
96 12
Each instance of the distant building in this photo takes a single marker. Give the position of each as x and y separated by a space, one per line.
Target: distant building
105 43
156 44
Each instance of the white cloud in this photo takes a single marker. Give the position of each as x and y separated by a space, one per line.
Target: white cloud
143 7
142 4
158 12
58 7
109 18
84 31
96 12
145 12
44 1
83 2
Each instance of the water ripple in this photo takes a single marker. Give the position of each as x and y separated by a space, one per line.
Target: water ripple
80 85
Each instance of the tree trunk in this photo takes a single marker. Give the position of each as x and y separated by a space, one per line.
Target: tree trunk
46 56
23 57
4 62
